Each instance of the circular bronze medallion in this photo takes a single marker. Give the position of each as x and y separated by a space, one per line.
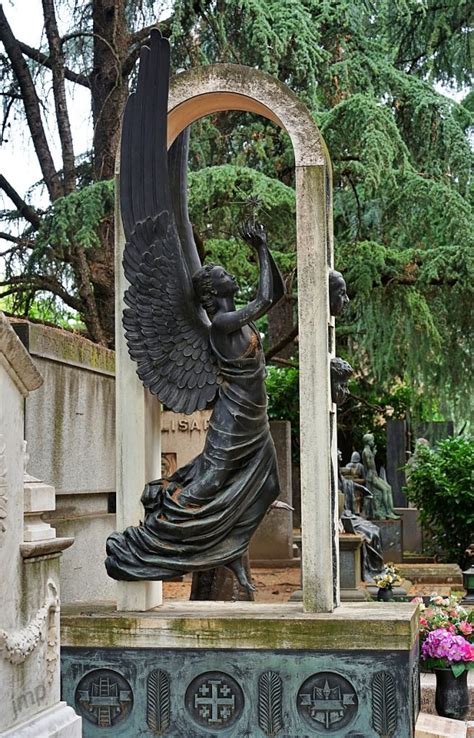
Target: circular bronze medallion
104 697
327 702
214 700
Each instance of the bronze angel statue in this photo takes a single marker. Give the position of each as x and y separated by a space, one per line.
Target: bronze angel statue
193 349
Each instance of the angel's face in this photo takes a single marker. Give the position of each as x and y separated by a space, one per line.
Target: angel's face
224 283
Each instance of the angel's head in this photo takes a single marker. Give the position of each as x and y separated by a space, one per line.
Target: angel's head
211 282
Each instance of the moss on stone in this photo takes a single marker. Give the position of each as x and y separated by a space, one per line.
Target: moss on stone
163 630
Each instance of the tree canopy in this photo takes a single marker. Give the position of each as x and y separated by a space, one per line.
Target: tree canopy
374 75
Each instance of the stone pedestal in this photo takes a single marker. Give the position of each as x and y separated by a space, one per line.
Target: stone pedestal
39 498
350 552
391 534
59 721
412 537
243 669
434 726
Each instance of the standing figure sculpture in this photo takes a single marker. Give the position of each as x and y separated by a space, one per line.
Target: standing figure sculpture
193 348
380 489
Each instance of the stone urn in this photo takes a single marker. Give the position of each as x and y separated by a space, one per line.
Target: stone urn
452 695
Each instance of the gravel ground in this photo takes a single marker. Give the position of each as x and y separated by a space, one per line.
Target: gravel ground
276 585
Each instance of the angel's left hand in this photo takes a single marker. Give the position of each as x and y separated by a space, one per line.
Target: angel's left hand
254 234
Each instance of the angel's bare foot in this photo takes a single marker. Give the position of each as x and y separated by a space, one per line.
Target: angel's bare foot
237 568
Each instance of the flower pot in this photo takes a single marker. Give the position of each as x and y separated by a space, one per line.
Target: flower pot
452 696
384 594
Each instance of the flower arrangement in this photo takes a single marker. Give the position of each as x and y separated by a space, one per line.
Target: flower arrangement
447 634
442 649
389 577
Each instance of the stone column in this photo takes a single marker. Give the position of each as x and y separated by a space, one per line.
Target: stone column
138 427
317 516
29 565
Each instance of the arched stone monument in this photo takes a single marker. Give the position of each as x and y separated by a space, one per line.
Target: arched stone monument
195 668
194 94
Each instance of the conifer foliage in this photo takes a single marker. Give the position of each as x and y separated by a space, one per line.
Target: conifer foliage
371 74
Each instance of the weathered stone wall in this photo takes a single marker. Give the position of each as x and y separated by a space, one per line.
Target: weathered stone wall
70 421
70 430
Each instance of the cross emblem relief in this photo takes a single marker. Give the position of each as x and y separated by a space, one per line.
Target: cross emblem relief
219 705
214 700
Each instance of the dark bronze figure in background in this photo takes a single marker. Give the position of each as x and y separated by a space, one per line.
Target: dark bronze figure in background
338 297
372 554
193 348
341 372
380 489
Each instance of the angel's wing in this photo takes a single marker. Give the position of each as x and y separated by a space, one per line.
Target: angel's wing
167 332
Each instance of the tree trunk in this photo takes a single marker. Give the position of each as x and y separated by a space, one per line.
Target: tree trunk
109 90
108 85
59 90
32 109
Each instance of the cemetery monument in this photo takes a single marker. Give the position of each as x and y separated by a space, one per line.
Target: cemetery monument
232 669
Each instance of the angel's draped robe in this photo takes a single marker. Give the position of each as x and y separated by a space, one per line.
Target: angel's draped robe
227 488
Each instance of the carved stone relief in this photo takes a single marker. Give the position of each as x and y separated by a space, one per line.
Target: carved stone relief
327 702
270 703
214 700
158 702
384 704
104 697
19 644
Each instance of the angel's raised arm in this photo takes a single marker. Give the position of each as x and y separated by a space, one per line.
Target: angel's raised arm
270 286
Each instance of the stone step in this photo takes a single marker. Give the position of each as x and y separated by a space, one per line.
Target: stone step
410 557
433 726
431 573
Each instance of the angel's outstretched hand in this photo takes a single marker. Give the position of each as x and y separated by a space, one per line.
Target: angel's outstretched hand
254 234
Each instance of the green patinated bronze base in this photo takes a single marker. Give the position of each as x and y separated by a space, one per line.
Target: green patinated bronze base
223 669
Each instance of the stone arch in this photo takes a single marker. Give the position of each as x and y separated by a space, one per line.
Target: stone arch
219 87
204 90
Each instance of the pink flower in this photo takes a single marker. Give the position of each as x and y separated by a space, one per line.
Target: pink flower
441 644
465 627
